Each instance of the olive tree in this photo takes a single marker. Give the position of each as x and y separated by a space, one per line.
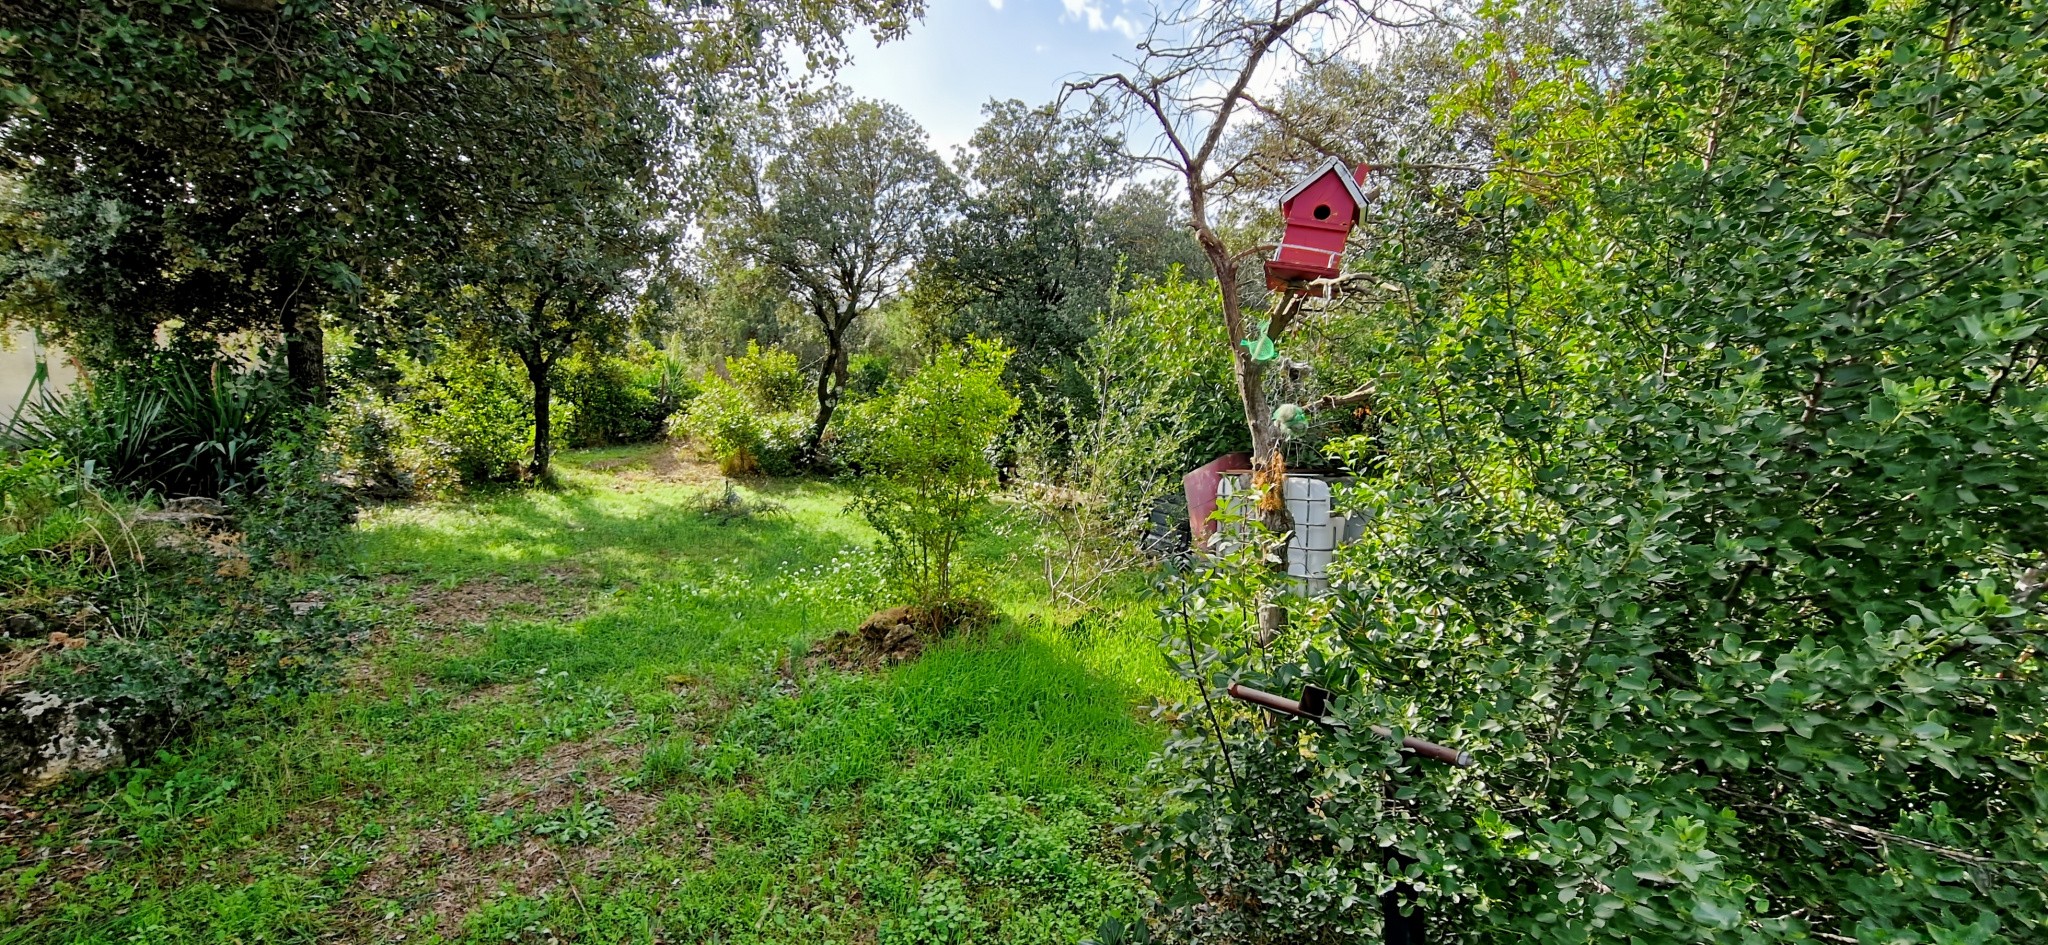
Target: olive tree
839 205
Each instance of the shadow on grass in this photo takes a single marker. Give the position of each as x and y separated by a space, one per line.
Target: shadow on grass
1008 711
994 763
632 536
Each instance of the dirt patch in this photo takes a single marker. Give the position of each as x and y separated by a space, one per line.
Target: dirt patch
373 666
436 869
669 463
437 617
493 692
893 636
477 601
572 572
540 778
24 832
439 871
665 463
17 661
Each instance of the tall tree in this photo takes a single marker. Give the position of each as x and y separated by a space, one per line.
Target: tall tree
547 285
249 164
1386 110
548 260
839 207
1035 251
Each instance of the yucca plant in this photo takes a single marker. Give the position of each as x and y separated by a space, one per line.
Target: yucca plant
188 432
114 426
226 421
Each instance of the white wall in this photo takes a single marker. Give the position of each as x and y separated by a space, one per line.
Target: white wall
19 352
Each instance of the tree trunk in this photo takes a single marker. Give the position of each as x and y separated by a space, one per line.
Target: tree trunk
543 444
831 383
1251 392
305 351
1267 468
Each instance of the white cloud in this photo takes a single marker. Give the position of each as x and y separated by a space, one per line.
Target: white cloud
1090 13
996 4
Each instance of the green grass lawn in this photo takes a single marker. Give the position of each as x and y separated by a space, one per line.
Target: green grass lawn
587 716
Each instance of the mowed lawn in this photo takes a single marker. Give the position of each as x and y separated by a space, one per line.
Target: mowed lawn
587 716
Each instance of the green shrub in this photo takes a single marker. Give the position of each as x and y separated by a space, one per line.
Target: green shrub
176 430
782 443
469 416
1160 351
853 428
231 420
925 471
369 436
669 377
1156 399
867 376
114 427
754 422
177 620
200 639
770 378
618 400
295 507
727 424
605 405
1707 517
35 486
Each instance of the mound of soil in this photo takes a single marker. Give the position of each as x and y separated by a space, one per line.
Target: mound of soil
896 635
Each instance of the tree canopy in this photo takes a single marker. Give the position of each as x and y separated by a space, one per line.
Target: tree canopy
839 206
253 164
1046 228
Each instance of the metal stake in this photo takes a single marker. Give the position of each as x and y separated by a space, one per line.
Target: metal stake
1396 927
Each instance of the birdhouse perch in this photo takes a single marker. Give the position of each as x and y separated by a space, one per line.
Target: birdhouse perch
1320 210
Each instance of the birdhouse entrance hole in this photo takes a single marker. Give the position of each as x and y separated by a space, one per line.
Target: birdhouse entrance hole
1320 211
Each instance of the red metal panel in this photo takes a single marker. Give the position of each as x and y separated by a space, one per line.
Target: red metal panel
1200 487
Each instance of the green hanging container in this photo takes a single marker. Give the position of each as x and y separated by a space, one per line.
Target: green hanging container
1292 417
1260 346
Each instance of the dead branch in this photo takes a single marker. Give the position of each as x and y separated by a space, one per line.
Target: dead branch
1361 395
1843 828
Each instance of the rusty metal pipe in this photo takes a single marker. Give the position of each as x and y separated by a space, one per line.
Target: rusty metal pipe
1430 750
1260 697
1292 707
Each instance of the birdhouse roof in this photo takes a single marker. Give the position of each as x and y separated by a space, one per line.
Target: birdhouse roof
1331 166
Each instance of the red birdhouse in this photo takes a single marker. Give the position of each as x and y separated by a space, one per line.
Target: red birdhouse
1320 209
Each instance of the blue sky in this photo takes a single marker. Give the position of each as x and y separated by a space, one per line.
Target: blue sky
967 52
